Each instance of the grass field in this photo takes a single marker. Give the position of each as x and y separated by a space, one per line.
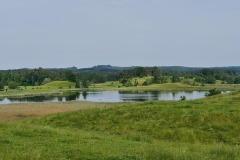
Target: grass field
198 129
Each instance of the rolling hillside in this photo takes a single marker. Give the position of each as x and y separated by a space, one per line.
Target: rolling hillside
199 129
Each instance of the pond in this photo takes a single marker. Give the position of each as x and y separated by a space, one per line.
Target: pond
110 96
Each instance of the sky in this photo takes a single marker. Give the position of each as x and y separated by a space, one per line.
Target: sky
85 33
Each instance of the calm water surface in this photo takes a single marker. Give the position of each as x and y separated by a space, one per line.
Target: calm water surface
110 96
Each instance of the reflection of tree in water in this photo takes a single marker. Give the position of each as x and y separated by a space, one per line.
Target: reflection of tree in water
85 95
77 95
154 95
72 96
60 99
134 100
174 95
189 92
32 99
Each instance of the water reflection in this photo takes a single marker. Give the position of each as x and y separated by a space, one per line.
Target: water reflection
110 96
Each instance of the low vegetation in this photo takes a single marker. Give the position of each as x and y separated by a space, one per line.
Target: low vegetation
197 129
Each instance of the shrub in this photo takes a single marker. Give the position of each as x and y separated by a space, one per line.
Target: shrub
145 83
212 92
46 80
13 85
1 86
183 98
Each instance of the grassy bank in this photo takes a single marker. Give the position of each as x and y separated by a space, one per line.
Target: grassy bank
199 129
167 87
58 87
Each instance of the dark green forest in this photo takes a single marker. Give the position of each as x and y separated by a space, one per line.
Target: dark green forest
104 73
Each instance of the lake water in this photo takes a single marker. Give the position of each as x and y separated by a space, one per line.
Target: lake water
110 96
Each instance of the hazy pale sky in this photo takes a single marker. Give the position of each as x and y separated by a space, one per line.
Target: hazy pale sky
84 33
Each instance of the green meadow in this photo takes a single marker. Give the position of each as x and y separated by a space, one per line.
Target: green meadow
198 129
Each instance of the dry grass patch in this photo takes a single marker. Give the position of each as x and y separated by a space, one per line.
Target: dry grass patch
13 112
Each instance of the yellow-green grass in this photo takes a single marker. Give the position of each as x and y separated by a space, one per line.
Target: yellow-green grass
141 80
60 84
106 85
197 129
218 82
13 112
51 85
55 87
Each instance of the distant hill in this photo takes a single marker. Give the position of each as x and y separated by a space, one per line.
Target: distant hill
116 69
109 68
105 68
179 68
188 69
235 68
113 69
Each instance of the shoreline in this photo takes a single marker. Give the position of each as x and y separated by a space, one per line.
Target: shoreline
158 87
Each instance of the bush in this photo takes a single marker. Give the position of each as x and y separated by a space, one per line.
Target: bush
46 80
210 80
183 98
212 92
77 84
1 86
175 79
146 83
85 83
135 83
126 82
13 85
237 80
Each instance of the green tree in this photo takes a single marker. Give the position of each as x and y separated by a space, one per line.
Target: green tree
140 72
212 92
85 83
70 76
1 86
237 80
145 83
136 83
13 85
175 79
156 73
210 80
77 84
126 82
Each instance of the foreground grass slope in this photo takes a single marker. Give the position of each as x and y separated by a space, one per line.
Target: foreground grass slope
200 129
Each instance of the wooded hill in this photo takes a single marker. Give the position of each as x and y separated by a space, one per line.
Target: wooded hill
103 73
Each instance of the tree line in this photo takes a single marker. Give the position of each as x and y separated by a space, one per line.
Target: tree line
201 76
40 76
